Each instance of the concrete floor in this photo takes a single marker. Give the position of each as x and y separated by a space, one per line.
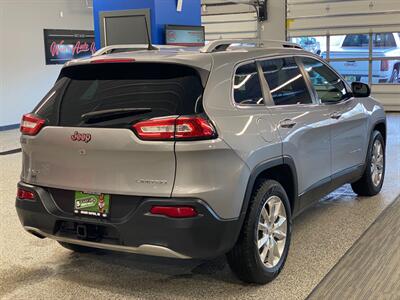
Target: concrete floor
33 268
369 270
9 140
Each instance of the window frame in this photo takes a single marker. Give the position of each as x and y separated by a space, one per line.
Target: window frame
266 92
307 76
263 92
310 88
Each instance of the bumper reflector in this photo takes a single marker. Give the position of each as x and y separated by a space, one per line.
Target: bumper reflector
25 195
174 211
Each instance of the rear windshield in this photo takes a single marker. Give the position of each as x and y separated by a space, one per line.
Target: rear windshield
156 90
380 40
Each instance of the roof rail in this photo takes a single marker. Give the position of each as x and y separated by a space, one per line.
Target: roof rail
223 45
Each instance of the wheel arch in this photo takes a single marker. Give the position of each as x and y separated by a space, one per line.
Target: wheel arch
271 169
281 169
381 127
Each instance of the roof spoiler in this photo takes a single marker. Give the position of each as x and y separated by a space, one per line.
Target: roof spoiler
122 48
132 48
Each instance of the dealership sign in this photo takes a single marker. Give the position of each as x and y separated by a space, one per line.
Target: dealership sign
62 46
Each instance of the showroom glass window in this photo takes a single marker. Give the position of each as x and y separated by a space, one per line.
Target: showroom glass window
350 55
329 86
356 49
246 87
313 44
386 66
285 81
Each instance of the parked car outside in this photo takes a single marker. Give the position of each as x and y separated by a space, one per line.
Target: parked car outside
195 153
356 46
311 44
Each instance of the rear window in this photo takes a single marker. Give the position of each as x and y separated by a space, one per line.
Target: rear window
162 89
380 40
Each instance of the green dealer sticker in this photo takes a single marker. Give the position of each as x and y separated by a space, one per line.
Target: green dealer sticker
97 205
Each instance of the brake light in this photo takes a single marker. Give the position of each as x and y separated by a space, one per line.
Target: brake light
112 60
384 65
25 195
31 125
170 128
174 211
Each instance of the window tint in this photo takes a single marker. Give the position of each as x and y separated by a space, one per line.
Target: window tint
165 89
329 87
247 88
380 40
47 108
285 82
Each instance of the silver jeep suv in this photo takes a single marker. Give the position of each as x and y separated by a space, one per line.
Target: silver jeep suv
195 153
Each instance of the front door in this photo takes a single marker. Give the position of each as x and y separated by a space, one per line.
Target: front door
349 133
349 121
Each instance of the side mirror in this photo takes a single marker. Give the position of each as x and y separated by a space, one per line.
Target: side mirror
360 90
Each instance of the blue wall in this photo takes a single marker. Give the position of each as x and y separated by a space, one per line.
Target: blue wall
162 12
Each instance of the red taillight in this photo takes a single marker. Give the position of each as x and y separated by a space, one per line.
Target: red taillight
193 127
112 60
25 195
384 65
31 125
156 129
170 128
174 211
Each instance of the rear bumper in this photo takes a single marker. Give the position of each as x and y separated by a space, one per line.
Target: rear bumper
138 231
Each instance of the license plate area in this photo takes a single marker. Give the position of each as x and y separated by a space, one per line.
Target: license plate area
95 205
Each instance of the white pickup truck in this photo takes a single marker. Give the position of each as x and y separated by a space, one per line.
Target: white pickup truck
357 46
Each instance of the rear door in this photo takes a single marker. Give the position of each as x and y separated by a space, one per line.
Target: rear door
103 154
301 122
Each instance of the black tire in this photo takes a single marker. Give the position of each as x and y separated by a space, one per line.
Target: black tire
244 259
394 78
365 186
78 248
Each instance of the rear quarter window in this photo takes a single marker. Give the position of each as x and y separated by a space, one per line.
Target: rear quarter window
247 87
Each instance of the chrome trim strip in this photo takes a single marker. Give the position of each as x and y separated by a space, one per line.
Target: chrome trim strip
145 249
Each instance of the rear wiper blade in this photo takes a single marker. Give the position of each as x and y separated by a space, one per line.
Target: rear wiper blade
110 114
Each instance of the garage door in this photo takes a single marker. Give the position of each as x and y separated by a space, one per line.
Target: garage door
228 21
359 37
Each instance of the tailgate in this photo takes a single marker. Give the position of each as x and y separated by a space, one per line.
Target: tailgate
88 141
350 67
114 161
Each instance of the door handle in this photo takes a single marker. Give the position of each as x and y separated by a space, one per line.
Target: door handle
335 115
287 123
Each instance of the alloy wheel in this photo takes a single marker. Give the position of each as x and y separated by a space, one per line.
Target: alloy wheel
272 231
377 163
